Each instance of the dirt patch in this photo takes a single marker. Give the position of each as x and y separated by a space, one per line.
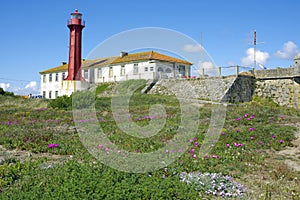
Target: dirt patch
23 155
291 155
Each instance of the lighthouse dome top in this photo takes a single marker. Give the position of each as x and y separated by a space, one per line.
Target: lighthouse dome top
76 14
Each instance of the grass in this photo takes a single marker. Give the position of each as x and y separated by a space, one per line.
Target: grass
246 151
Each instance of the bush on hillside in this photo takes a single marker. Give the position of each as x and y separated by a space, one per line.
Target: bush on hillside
63 102
5 93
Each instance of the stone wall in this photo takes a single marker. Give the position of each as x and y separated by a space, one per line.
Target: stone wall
284 92
205 89
227 89
274 73
278 84
241 90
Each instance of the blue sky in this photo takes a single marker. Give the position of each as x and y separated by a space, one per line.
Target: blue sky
34 35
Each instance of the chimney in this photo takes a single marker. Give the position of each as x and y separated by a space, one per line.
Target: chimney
123 53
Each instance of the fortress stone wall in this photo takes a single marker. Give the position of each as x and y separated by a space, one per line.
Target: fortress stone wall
280 85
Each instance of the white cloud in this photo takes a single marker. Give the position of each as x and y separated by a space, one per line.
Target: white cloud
208 67
289 50
191 48
31 85
5 86
260 57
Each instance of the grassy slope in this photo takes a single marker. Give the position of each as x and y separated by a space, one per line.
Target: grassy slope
28 126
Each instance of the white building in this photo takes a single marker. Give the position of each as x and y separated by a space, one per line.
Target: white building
144 65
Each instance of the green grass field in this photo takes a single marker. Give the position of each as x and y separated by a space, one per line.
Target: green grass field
244 162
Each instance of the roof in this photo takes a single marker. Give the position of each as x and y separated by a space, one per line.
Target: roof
149 55
85 64
142 56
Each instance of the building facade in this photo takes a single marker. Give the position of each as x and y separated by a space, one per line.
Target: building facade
143 65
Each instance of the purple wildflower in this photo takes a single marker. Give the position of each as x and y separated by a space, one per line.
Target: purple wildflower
52 145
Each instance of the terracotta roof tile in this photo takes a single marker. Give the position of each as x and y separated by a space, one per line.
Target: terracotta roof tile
142 56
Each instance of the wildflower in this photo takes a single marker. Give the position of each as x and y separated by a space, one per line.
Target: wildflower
238 144
238 119
166 151
227 145
260 143
222 133
251 129
215 156
192 151
196 144
52 145
206 156
280 141
252 138
100 146
274 136
194 156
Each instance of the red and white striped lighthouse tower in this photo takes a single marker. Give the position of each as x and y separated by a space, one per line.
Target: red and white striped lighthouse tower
75 24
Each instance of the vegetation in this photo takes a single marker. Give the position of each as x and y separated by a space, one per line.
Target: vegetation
52 163
5 93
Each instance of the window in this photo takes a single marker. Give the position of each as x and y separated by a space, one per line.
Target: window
56 77
50 77
63 76
99 72
50 94
44 78
146 69
56 94
168 70
122 70
151 69
110 72
44 94
135 69
86 74
160 69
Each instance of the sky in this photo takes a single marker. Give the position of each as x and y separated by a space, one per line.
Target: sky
35 36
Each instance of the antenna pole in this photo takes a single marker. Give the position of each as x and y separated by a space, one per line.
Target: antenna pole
254 43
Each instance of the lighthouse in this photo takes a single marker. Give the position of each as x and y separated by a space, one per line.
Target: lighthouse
75 24
74 81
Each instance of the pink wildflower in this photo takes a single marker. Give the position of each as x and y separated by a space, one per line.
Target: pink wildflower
52 145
